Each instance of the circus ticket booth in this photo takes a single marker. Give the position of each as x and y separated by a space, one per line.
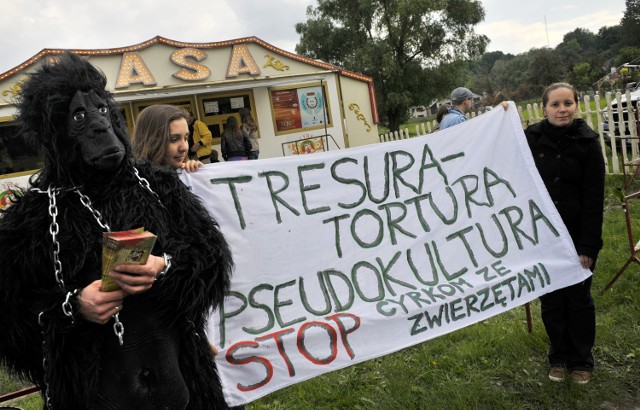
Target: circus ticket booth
301 105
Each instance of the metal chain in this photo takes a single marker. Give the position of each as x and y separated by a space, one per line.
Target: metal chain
118 328
67 308
96 214
54 229
144 183
45 362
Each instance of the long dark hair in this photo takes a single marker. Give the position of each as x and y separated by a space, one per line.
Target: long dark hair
442 111
232 129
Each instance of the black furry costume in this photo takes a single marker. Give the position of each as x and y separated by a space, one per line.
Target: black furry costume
166 360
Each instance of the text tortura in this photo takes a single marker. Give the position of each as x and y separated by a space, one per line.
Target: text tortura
342 195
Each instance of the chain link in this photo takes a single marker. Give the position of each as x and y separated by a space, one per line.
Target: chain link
118 328
144 183
67 308
45 362
96 214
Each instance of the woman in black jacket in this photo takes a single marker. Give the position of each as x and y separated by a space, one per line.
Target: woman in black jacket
569 158
235 144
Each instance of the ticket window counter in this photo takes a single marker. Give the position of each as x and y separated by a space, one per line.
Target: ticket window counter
215 109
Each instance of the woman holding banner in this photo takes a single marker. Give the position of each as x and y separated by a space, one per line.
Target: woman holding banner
161 137
568 156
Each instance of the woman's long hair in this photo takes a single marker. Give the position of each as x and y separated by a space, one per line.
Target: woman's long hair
442 111
232 129
247 120
151 133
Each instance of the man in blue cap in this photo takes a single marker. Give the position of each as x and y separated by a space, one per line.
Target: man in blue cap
462 101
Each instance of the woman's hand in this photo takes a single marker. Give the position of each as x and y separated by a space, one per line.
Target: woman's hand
586 261
135 279
97 306
191 165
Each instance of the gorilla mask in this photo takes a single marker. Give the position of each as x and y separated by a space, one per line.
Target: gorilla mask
65 109
89 125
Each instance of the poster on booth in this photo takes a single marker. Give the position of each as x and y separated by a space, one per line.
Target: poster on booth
9 186
345 256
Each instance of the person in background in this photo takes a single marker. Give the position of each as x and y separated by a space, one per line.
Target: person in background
250 128
569 159
161 137
235 144
214 156
201 137
462 102
442 111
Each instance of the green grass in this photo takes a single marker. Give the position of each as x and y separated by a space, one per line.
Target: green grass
494 364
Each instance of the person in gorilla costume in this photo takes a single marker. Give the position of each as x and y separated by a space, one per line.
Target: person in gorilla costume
141 347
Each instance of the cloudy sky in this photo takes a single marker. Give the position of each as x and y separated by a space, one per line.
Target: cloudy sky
28 26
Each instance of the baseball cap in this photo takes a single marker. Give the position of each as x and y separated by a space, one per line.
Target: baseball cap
461 94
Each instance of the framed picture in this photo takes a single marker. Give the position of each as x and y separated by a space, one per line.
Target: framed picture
298 108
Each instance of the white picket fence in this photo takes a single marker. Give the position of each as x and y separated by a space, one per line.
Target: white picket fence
619 150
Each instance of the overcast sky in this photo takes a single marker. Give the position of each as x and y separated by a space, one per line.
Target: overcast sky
28 26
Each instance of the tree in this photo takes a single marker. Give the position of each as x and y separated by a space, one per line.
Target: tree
508 73
608 42
414 50
582 76
481 79
630 24
572 52
546 66
585 38
627 55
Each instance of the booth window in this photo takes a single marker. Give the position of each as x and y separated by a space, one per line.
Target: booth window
299 108
217 108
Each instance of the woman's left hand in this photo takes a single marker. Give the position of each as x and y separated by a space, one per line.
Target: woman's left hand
136 279
191 165
586 261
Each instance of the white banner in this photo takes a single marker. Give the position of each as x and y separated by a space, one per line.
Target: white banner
349 255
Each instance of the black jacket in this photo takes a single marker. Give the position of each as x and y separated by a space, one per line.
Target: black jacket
235 145
571 165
